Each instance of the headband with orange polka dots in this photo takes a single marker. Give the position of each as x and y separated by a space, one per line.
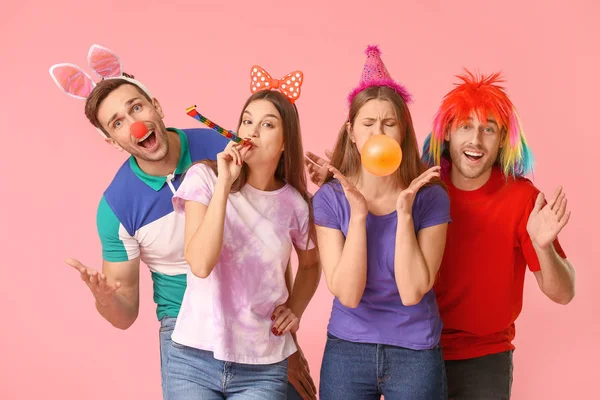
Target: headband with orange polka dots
288 85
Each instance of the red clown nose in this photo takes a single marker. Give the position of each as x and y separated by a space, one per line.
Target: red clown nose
138 129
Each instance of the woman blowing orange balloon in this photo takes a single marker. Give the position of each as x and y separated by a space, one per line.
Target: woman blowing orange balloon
381 230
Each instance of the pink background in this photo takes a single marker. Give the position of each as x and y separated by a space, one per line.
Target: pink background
55 166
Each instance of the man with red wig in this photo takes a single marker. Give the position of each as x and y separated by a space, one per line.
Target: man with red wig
501 223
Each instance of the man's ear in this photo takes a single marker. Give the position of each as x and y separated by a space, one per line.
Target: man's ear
158 107
114 144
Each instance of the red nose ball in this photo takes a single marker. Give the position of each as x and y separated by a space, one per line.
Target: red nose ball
138 129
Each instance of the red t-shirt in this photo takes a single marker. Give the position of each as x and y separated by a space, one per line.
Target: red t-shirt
480 285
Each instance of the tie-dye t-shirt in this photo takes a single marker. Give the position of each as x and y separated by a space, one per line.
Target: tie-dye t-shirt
229 312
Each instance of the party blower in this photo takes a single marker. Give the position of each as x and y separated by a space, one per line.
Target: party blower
192 112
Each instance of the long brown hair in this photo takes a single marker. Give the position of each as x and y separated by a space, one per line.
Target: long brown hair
346 157
291 163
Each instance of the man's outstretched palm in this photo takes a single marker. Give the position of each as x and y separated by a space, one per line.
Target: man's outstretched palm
103 291
546 221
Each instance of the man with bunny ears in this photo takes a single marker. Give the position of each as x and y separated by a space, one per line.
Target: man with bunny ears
135 217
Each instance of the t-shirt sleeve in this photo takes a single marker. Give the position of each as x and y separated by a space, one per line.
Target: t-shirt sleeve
325 208
433 207
117 244
525 241
197 185
301 232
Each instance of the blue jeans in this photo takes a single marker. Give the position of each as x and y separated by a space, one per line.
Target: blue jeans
167 325
196 374
365 371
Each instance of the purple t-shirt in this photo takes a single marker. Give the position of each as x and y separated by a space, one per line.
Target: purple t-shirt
381 317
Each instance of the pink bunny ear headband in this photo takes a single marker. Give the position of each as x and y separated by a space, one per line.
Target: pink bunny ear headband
72 80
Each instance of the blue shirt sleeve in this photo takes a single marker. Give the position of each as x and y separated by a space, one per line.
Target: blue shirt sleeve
117 244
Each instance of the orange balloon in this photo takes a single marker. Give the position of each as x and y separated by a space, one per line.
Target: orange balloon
381 155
